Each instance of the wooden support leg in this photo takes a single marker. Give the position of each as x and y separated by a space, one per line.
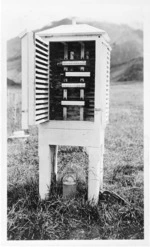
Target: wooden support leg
53 152
44 170
47 168
94 181
101 168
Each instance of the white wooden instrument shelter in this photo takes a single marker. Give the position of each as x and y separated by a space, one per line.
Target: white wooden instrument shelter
65 90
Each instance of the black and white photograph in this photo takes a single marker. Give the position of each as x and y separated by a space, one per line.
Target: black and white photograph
74 109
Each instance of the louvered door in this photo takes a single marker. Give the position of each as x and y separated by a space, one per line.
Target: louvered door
41 80
106 78
107 84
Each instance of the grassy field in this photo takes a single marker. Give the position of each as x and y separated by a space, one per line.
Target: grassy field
56 218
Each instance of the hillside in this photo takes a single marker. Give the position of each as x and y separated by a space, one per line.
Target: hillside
14 60
131 71
126 43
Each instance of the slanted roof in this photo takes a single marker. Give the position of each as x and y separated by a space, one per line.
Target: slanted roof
72 30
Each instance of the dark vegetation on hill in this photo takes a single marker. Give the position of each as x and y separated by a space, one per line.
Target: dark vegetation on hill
126 43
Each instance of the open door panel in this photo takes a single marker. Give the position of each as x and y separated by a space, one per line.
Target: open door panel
41 80
35 80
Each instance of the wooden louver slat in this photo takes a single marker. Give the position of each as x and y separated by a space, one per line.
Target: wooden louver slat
42 101
41 111
39 106
39 75
41 96
41 81
40 91
42 71
42 51
41 86
42 43
41 116
40 56
41 61
41 66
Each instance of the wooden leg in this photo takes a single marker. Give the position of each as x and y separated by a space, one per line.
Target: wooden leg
101 155
53 154
47 168
94 174
44 171
101 168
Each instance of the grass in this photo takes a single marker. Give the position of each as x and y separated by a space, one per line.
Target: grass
56 218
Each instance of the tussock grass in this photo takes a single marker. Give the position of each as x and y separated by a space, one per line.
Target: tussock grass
58 218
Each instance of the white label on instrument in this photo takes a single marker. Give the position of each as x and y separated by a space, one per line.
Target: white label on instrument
75 74
78 85
80 103
73 63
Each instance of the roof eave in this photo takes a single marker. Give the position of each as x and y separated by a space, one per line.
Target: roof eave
68 34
